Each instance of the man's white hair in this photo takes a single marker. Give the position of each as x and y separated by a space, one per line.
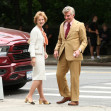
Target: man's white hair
67 9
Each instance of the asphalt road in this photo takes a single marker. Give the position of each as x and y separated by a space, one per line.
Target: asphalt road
95 87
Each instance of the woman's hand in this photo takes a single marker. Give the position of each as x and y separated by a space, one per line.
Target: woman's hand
33 61
46 55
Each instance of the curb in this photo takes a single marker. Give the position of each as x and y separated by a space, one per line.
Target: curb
84 64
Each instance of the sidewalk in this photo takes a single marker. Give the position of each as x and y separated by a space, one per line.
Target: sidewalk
104 61
19 105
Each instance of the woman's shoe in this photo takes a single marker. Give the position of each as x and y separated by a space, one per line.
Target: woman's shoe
44 102
28 100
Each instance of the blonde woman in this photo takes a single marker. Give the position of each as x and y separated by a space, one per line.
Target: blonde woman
37 49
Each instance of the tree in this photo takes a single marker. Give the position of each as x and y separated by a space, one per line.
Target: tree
16 12
21 12
29 2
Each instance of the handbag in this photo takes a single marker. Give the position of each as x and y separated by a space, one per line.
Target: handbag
98 40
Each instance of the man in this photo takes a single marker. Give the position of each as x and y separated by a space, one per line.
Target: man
69 48
93 33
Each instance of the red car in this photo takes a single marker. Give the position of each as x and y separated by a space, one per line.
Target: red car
15 62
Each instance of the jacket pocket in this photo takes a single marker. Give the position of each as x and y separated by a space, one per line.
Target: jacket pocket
36 47
39 50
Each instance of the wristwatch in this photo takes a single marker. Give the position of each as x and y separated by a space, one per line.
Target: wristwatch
80 50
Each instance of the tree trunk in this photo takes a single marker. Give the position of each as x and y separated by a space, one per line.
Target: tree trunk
29 12
43 4
16 9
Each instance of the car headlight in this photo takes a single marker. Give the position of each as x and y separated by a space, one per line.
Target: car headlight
4 50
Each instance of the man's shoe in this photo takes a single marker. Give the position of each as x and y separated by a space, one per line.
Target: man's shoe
65 99
73 103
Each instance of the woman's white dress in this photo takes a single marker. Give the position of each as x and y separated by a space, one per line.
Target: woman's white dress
36 49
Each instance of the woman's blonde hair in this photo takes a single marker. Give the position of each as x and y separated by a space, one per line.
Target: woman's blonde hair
40 13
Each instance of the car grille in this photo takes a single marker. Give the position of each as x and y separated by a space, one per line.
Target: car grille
21 56
25 55
2 71
23 68
21 47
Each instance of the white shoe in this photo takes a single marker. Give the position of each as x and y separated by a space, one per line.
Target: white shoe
98 57
92 57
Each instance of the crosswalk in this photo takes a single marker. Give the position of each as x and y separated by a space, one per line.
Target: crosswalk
87 92
101 91
95 85
98 91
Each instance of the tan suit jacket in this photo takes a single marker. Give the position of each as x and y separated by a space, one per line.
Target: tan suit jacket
76 39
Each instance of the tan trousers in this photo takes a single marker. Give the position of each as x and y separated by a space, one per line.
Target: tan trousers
62 68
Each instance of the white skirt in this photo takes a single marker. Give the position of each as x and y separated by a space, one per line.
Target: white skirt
38 72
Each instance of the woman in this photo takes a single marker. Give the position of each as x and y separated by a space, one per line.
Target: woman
37 49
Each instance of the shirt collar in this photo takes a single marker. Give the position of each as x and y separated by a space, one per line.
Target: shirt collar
65 23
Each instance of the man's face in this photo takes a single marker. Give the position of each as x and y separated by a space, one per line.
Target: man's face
68 16
95 19
104 28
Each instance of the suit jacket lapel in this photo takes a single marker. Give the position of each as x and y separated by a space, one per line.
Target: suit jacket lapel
72 28
62 30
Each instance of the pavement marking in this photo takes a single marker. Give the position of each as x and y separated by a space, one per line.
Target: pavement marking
52 89
50 94
81 91
95 97
50 73
90 72
96 72
107 83
96 87
85 91
81 96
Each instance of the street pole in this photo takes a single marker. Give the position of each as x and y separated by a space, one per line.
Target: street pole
1 89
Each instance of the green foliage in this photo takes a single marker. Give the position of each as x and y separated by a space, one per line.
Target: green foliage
53 9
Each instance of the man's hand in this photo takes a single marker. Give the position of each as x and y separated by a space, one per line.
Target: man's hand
76 53
56 54
46 55
33 61
97 32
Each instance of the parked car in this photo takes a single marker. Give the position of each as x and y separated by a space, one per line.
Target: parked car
15 62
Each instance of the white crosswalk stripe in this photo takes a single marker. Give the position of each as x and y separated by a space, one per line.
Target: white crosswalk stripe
85 92
96 87
97 92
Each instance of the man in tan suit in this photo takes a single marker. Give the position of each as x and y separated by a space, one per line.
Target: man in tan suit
71 43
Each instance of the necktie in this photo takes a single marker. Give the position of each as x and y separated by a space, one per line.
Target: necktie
67 30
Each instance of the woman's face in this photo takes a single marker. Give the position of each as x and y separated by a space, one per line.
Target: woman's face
40 21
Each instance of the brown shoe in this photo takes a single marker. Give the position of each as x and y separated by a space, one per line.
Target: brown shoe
65 99
73 103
